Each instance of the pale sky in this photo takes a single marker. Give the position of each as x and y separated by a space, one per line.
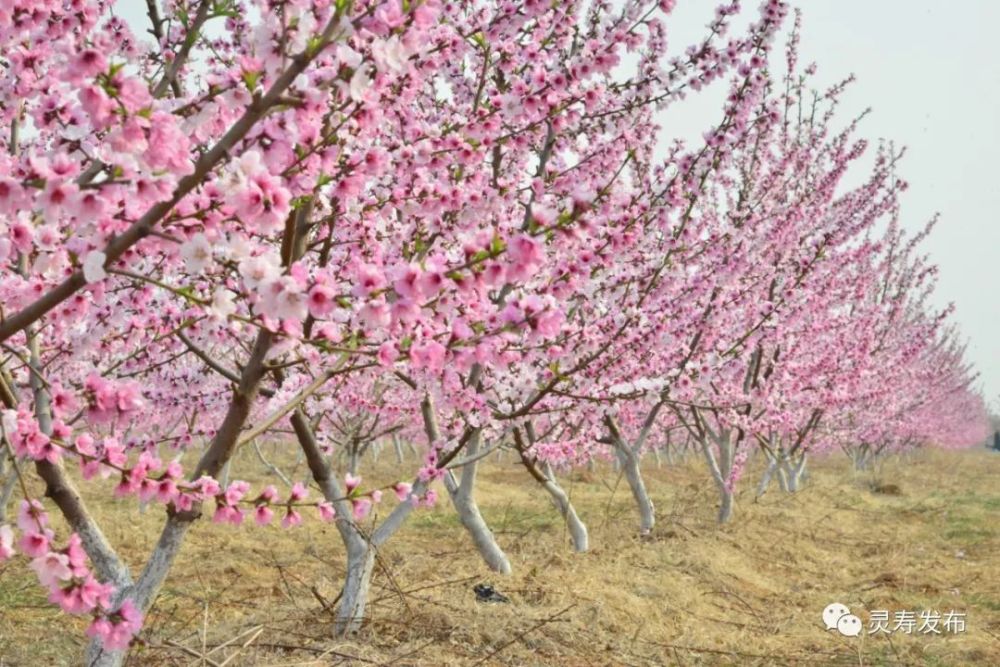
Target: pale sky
930 71
931 74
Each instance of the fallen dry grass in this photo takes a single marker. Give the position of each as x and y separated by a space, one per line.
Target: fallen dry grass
923 535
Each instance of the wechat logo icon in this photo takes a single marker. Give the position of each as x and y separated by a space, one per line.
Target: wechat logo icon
838 617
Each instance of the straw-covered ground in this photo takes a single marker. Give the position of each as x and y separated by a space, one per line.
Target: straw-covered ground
921 535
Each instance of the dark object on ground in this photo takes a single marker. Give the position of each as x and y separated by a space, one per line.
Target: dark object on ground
996 441
887 489
486 593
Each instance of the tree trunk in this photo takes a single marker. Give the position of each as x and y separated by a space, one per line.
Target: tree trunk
577 529
629 464
765 479
144 591
361 550
794 472
357 582
398 446
462 496
783 479
793 479
725 506
722 469
352 462
8 482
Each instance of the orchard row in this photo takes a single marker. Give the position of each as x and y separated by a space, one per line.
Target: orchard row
459 225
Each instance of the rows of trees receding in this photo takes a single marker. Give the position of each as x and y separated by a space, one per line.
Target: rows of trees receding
456 226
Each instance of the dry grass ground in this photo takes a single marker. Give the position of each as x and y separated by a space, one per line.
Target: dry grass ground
749 593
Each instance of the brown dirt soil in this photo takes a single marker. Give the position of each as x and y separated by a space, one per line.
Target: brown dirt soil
922 535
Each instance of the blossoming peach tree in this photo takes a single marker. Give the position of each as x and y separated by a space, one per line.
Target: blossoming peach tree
445 221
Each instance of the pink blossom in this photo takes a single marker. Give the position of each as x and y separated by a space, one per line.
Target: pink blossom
36 545
326 511
31 516
11 195
351 483
375 316
197 253
430 498
291 519
269 494
360 507
81 597
96 103
6 542
387 353
235 492
116 630
263 515
166 490
85 64
429 354
402 490
51 567
93 267
369 279
228 514
321 301
525 250
299 492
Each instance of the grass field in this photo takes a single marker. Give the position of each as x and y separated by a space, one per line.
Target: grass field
923 535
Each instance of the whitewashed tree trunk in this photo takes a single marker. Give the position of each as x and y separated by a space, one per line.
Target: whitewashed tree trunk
352 459
783 479
362 550
628 462
8 482
543 474
357 582
577 529
462 496
398 446
721 469
795 469
726 505
861 457
765 480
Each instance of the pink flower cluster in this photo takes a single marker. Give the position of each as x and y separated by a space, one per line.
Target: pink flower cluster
107 400
71 584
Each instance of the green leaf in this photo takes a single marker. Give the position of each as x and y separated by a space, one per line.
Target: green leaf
250 79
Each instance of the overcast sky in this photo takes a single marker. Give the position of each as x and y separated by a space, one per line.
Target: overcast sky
931 74
930 71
